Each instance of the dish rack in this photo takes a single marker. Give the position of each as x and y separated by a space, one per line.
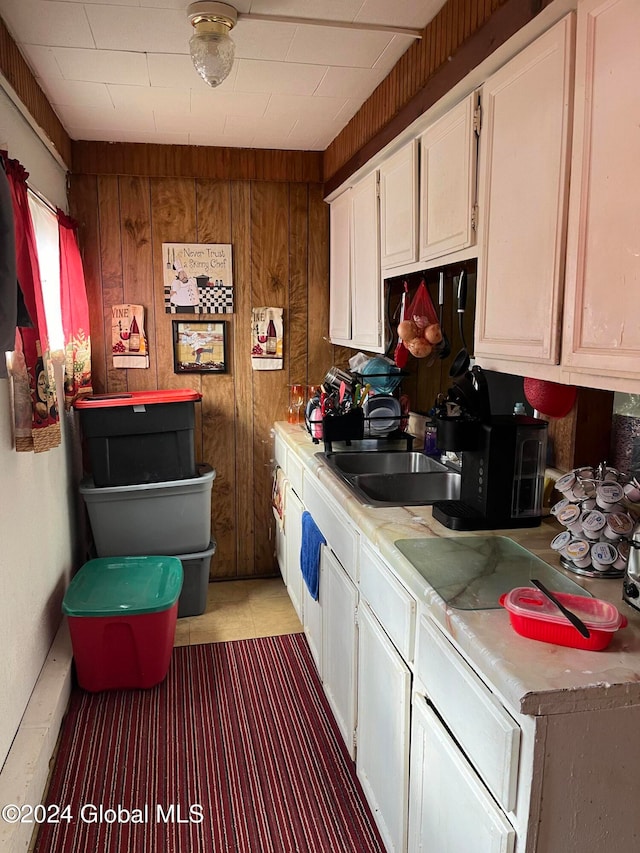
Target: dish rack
351 423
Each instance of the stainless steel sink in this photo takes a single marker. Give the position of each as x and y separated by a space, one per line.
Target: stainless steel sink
379 462
394 479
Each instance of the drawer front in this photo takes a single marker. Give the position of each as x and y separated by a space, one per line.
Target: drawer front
341 537
484 729
280 451
394 606
294 473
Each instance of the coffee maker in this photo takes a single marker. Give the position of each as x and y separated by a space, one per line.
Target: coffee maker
502 479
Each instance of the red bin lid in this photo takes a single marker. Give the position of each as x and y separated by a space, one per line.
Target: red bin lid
137 398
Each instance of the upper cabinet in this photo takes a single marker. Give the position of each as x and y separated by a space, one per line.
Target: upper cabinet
523 191
340 267
428 192
399 208
355 309
448 153
602 302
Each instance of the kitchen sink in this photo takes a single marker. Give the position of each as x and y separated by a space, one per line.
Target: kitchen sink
394 479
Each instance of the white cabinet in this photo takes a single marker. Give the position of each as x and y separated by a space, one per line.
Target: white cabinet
355 308
523 192
382 752
340 267
339 645
312 616
293 540
448 154
602 302
449 808
489 736
399 207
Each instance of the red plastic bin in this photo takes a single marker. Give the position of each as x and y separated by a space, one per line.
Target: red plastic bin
122 616
532 615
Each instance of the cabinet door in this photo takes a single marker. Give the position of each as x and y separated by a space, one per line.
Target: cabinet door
340 268
523 192
293 528
399 208
382 750
448 153
339 638
366 289
312 617
602 302
449 808
281 542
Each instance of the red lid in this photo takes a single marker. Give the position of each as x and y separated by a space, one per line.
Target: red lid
137 398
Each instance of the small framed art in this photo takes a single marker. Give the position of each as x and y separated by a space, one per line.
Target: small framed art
199 347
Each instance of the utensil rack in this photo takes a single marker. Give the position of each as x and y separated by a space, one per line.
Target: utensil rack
349 425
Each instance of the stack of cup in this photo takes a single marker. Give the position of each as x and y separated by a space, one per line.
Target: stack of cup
597 511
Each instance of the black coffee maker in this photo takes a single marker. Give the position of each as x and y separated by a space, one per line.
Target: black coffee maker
503 465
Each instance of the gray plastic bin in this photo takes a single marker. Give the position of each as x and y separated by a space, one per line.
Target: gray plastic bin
193 598
173 517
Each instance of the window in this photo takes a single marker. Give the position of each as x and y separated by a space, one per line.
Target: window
45 225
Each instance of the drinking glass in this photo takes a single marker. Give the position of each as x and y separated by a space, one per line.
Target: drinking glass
296 404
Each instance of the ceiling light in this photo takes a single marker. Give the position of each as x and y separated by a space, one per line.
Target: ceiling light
212 49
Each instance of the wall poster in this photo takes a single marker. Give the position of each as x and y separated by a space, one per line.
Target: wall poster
199 347
128 336
198 278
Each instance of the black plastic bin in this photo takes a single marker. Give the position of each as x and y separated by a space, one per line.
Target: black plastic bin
139 437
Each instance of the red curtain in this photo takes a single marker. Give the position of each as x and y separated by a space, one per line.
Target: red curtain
75 313
37 423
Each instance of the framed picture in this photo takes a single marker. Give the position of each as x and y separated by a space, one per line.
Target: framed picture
199 347
198 278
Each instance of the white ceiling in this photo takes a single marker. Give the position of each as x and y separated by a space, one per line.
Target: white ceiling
120 70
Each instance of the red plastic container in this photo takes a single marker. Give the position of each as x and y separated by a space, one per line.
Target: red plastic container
122 614
533 615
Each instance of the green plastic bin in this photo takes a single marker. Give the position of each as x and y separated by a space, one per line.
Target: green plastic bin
122 615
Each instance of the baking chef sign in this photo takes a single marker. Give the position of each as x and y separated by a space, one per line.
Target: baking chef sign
197 278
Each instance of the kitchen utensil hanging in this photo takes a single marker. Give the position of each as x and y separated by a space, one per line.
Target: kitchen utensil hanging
401 355
445 346
462 360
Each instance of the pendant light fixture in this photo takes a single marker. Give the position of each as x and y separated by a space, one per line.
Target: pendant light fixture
212 49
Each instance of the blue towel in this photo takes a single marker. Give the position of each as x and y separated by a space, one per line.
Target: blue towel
312 540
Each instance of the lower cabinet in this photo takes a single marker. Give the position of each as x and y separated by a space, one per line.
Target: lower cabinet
293 540
339 644
312 616
449 807
382 751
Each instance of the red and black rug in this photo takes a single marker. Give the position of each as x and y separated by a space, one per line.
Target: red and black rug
236 751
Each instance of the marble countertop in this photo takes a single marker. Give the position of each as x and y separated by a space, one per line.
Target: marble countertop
532 677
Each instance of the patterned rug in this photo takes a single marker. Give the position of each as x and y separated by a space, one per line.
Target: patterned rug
236 750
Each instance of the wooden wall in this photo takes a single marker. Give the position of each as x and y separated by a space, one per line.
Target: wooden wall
279 234
14 68
457 39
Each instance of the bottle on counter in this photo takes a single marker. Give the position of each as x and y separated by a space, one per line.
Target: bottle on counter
430 447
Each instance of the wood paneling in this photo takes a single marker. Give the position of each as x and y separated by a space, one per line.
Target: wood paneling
190 161
279 234
460 36
19 76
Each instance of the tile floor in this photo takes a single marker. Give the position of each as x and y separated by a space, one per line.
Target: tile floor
239 610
